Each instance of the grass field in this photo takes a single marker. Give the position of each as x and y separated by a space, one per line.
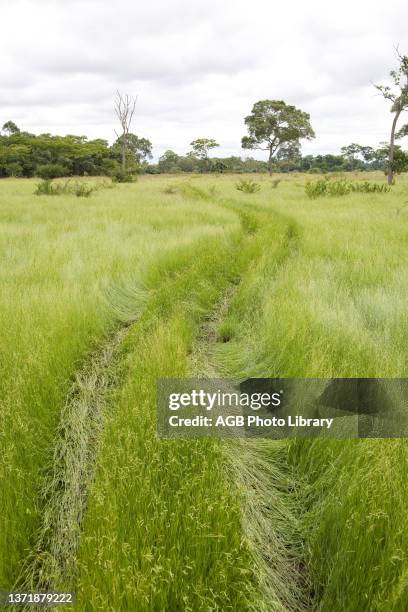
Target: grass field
103 295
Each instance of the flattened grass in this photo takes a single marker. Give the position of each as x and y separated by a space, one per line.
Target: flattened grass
63 259
337 307
323 293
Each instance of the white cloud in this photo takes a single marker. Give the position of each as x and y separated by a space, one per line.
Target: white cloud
198 66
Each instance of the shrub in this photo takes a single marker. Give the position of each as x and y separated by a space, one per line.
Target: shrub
316 189
47 187
170 190
79 189
82 190
124 177
275 183
247 186
326 187
51 171
367 187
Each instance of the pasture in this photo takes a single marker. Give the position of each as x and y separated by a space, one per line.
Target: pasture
167 277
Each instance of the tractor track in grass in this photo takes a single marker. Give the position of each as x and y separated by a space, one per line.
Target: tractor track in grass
267 487
71 471
51 563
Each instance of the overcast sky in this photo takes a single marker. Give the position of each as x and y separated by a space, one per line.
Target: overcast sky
197 66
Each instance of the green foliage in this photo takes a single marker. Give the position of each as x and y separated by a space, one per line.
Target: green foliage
51 171
123 177
327 187
247 186
47 187
400 161
274 125
403 132
138 150
25 155
10 128
82 190
77 188
333 288
353 153
275 183
202 146
169 162
50 156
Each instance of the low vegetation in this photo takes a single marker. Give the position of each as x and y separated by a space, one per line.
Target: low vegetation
342 187
247 186
116 294
80 189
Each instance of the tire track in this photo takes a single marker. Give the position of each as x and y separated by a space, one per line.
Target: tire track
50 563
259 468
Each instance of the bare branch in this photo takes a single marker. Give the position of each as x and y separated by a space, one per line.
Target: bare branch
124 108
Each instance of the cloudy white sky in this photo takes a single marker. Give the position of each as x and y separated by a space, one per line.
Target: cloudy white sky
198 66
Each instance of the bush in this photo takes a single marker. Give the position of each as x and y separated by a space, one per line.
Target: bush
51 171
367 187
247 186
79 189
47 187
170 190
316 189
124 177
325 187
82 190
275 183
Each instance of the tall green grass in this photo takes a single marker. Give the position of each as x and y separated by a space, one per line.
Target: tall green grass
163 520
337 307
167 516
198 525
62 260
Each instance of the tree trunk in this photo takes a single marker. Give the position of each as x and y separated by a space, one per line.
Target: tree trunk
270 162
124 153
392 147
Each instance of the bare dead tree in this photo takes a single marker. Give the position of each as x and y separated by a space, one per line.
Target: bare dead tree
398 96
124 108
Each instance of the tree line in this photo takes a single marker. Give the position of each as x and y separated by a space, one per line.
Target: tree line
273 126
23 154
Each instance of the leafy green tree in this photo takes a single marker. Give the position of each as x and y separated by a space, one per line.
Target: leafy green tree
138 150
357 156
169 162
187 163
202 146
399 162
398 96
10 128
274 124
218 165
